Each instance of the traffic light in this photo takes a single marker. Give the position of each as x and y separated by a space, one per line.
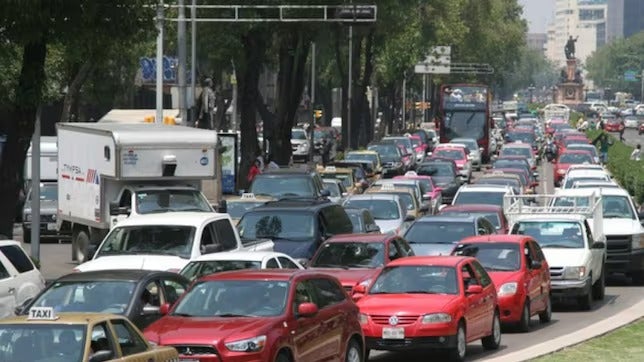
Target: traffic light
317 113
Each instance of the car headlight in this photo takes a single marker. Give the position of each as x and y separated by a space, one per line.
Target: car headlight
436 318
638 242
254 344
508 289
561 171
397 164
303 146
363 318
575 272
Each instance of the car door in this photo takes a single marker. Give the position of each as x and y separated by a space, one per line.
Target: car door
332 317
130 342
532 278
542 274
475 308
306 334
598 255
102 339
149 296
287 263
488 297
173 289
26 281
7 290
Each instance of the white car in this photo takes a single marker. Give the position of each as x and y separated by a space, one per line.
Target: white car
632 121
482 194
236 260
584 175
20 279
387 209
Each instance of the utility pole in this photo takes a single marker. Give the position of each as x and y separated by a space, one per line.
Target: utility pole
159 86
424 101
404 101
233 82
350 87
642 90
181 69
193 59
35 189
313 120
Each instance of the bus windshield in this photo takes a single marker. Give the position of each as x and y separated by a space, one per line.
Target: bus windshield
464 124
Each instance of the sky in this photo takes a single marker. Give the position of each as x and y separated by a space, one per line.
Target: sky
538 13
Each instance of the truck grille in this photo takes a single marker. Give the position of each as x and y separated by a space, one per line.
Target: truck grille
192 350
402 319
617 244
556 272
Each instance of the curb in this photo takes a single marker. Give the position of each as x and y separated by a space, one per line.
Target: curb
600 328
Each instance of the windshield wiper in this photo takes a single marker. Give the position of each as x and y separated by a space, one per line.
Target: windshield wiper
420 292
331 266
183 314
559 246
231 315
492 268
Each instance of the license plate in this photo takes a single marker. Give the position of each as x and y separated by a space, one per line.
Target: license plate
393 333
51 226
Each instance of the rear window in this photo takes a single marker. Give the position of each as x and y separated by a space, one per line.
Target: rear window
479 197
17 257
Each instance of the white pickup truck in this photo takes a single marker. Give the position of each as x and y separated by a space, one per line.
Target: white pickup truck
570 233
168 241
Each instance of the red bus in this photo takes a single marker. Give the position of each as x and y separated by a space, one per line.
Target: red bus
464 112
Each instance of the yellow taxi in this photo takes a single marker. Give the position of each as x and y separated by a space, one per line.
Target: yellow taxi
367 155
414 208
343 174
44 335
237 206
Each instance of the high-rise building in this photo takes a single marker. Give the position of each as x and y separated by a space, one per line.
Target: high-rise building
633 17
614 20
625 18
537 41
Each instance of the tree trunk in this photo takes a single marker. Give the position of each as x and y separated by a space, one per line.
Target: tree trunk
293 52
73 90
344 81
254 54
19 127
363 113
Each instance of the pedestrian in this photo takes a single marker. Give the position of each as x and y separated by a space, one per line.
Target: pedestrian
604 144
622 127
637 153
207 109
600 124
254 171
326 150
271 164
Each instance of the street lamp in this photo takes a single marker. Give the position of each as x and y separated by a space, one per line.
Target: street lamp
531 89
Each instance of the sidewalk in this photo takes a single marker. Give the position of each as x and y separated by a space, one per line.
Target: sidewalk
594 330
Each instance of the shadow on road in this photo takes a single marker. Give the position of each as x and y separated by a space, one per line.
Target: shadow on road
474 351
570 305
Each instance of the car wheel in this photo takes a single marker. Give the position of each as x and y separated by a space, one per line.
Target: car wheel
26 236
457 353
283 357
354 352
586 301
493 341
524 323
546 315
81 240
599 288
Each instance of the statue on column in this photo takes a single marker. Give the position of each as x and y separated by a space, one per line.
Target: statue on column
569 49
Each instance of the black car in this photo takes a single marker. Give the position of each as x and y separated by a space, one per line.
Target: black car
297 227
391 158
445 175
516 162
362 220
289 182
135 294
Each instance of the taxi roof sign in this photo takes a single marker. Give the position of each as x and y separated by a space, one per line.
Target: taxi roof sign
247 195
387 187
42 313
329 169
411 174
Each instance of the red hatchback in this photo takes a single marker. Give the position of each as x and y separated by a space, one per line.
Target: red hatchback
440 302
355 258
262 315
520 273
569 158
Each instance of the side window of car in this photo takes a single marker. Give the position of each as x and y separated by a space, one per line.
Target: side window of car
287 263
394 253
405 247
529 254
129 340
4 274
328 292
490 228
480 227
207 243
482 273
340 220
537 251
126 199
272 264
469 277
17 257
173 290
302 294
151 295
225 234
101 338
589 234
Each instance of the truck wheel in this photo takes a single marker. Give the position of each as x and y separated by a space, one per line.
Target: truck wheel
81 241
599 288
638 278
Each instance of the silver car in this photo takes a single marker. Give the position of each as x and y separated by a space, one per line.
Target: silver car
300 144
388 210
476 152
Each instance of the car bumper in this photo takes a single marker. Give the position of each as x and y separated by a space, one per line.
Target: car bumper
627 262
437 342
390 172
569 288
511 308
47 229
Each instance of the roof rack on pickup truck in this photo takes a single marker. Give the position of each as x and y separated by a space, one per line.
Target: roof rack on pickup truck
588 205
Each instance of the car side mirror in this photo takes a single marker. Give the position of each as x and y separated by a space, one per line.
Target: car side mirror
325 193
360 289
222 207
116 210
164 309
372 228
641 216
151 310
535 264
410 218
307 310
474 289
599 245
22 307
101 356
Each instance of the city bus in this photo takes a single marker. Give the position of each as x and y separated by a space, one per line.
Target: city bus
464 112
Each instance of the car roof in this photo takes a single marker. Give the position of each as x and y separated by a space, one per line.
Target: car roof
64 318
374 196
516 145
496 238
172 219
262 274
472 208
113 274
447 218
396 181
360 238
368 152
484 187
446 261
294 203
240 255
10 242
604 191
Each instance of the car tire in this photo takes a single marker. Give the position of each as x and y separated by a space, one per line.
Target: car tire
638 278
458 352
26 236
81 240
586 301
546 315
283 357
524 322
493 341
354 352
599 288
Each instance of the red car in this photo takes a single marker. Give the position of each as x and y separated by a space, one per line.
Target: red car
520 273
262 315
355 258
568 158
640 130
613 125
493 213
431 192
439 302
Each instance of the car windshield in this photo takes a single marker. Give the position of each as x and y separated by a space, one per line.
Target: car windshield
617 207
450 154
439 232
516 151
319 134
42 342
416 279
350 255
465 124
237 209
277 224
552 234
333 188
346 178
510 163
380 209
493 256
403 141
298 134
492 217
480 197
196 269
514 183
570 181
87 296
48 192
583 147
282 186
575 158
354 156
436 169
525 137
221 298
385 150
149 239
168 200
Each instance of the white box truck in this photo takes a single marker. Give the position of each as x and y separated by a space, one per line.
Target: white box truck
112 171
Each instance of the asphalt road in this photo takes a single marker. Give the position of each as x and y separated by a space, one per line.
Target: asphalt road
56 261
632 138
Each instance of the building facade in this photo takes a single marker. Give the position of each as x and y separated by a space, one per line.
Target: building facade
537 41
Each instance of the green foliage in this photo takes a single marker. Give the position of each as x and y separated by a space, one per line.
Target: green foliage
629 173
531 68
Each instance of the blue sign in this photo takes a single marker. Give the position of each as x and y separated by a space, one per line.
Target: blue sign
149 69
204 161
464 106
630 76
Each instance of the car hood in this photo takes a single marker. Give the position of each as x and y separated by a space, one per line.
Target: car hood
501 277
144 262
388 225
171 330
432 249
560 257
298 142
404 304
349 277
443 181
622 227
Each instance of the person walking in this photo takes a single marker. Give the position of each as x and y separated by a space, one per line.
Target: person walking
253 171
637 153
622 127
207 109
604 144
